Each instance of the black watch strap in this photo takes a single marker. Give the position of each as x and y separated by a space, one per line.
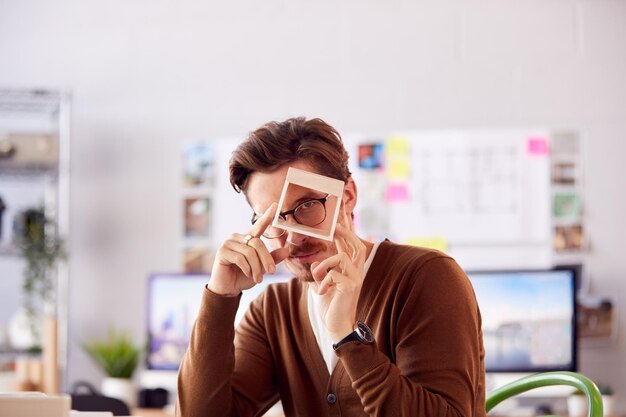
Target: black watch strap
362 334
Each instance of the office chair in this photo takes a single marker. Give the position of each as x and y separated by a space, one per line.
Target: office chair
544 379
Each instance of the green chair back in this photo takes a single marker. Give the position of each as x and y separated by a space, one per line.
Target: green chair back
544 379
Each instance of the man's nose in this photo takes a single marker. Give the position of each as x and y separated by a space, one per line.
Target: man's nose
296 238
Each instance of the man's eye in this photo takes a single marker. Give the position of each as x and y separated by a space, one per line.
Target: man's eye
307 204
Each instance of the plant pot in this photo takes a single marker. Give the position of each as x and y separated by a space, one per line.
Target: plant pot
607 405
577 406
120 388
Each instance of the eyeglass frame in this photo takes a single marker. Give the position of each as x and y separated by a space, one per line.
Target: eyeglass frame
292 212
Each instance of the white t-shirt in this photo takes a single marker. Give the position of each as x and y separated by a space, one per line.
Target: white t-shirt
324 341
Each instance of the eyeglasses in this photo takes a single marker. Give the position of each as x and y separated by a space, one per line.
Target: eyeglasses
309 213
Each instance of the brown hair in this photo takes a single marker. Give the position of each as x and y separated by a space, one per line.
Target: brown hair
277 143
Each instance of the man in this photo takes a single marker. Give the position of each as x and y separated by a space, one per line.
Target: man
364 329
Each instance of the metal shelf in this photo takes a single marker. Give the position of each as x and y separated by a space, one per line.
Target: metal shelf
9 250
43 112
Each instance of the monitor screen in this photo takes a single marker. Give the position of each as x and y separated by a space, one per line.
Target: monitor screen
529 319
173 304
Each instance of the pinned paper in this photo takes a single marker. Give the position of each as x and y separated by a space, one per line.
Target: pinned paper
371 156
439 243
397 193
537 146
398 145
398 158
398 169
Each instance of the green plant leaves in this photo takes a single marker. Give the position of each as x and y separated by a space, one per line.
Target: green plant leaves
117 356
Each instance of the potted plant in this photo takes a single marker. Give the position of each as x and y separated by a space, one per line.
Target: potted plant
607 398
35 237
118 357
577 402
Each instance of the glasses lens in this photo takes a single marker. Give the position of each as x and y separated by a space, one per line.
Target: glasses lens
270 232
310 213
273 232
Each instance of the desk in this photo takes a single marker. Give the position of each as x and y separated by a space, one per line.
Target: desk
150 412
157 412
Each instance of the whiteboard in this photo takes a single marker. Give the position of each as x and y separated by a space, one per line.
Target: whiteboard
486 192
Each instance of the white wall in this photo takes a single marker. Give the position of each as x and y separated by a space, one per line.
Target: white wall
147 75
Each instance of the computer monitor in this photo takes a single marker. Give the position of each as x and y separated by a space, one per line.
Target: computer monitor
528 319
173 304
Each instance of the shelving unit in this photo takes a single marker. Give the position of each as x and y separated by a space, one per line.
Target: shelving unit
570 243
34 166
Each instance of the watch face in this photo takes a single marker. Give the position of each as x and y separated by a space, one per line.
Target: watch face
364 332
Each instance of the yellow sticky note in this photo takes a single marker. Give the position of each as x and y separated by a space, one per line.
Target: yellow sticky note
397 145
439 243
398 168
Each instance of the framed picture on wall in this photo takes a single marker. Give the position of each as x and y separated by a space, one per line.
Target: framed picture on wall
197 259
568 238
566 206
198 164
197 212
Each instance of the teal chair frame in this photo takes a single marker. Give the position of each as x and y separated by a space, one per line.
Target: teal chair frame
578 381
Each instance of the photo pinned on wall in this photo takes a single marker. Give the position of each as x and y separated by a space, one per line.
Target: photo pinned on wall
198 164
565 144
596 318
376 187
566 206
371 156
372 221
197 260
564 173
197 216
568 238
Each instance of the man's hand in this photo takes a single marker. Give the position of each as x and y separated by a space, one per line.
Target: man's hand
339 279
243 259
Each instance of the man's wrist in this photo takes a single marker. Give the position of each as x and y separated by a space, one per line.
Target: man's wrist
338 335
361 334
217 291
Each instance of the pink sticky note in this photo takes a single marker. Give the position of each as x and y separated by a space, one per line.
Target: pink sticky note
537 146
397 193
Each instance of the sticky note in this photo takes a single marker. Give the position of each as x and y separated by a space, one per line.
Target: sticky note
397 193
439 243
398 168
537 146
397 145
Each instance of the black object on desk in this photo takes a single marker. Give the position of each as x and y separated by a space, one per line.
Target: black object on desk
153 398
92 401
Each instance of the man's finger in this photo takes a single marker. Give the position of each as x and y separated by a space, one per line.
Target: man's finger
264 256
263 222
316 275
280 254
340 262
332 279
352 245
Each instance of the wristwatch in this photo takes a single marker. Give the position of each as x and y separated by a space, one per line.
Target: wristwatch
362 334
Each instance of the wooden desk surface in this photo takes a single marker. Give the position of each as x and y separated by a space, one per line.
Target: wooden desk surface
157 412
150 412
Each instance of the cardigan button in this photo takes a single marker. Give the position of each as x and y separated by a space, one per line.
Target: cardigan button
331 398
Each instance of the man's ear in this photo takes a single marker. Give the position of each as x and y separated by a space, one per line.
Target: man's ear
349 196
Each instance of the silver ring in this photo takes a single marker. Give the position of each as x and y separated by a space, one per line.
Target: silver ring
247 239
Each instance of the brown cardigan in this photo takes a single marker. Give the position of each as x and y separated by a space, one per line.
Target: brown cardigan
427 359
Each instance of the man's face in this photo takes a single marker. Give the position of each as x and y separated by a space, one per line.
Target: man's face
265 188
